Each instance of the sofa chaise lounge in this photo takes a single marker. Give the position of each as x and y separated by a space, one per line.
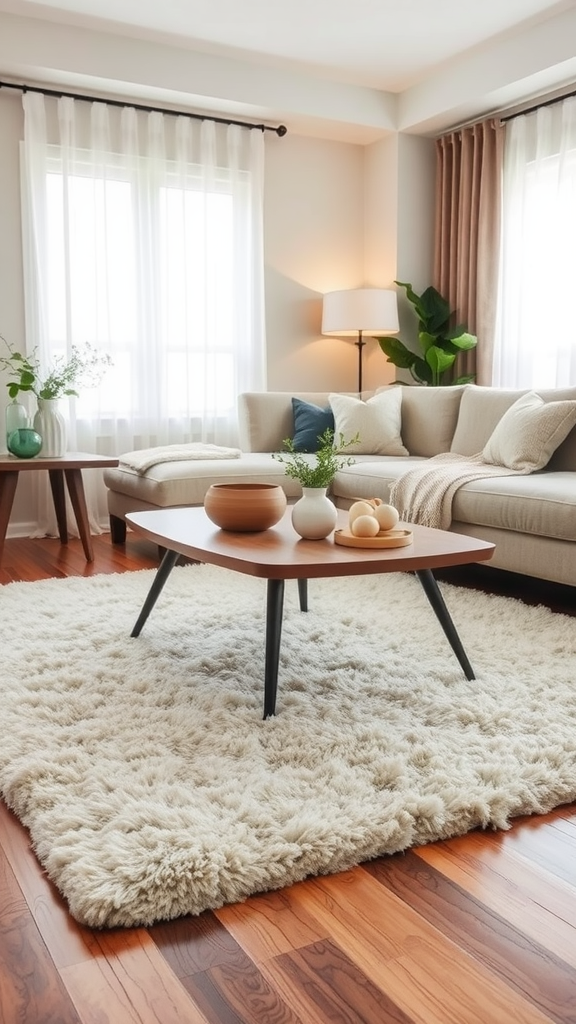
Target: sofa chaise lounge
530 516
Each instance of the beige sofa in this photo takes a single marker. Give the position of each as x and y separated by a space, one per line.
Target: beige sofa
531 518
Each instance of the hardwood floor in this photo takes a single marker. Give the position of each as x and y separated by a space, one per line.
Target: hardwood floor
475 930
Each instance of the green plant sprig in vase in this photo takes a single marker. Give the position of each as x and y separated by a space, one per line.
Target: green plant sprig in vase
84 368
329 459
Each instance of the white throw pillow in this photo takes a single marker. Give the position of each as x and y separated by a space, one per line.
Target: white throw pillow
377 422
529 433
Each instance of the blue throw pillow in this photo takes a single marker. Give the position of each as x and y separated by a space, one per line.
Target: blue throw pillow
309 422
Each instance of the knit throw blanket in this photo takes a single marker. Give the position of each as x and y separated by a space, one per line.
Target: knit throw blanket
141 461
425 494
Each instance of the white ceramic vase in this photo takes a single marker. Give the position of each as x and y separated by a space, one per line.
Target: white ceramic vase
314 516
51 425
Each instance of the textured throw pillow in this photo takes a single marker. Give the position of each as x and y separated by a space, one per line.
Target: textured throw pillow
310 421
377 422
529 433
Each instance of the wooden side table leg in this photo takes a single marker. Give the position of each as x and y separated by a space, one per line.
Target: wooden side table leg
57 488
78 499
8 482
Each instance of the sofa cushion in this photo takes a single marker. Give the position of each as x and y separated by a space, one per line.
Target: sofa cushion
377 422
429 417
538 505
529 432
370 477
481 408
310 421
186 483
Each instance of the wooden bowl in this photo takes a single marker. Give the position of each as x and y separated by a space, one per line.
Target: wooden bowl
245 508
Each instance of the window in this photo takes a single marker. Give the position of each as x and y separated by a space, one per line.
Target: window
535 338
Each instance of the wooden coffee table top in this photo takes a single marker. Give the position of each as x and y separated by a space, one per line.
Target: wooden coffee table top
279 553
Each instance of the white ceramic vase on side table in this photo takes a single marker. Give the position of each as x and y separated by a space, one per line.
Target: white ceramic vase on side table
51 425
314 516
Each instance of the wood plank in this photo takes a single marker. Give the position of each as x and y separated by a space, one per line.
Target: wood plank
236 993
325 985
64 937
217 973
194 944
31 990
523 963
128 981
270 924
422 971
523 893
441 989
538 841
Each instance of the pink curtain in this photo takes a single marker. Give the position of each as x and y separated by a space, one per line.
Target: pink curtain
467 238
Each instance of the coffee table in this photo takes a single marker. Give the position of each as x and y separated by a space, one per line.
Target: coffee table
279 554
67 468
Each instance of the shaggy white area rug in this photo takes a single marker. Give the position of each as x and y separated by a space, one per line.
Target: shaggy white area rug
152 787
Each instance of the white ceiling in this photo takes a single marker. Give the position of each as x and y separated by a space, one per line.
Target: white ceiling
408 50
384 44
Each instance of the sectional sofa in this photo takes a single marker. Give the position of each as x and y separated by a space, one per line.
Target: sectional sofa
530 514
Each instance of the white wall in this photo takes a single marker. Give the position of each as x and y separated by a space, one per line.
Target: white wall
313 222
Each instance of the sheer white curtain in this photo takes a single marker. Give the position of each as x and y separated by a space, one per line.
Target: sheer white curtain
143 237
535 332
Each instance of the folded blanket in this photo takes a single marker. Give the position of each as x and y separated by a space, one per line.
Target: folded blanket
143 460
425 494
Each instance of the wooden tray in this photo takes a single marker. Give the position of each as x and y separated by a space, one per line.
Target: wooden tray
384 539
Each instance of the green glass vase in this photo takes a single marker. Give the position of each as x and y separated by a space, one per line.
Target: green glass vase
24 442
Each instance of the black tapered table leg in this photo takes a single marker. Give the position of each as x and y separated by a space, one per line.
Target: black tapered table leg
303 595
164 569
432 591
274 607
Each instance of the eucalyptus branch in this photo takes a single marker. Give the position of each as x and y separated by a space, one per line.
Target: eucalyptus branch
329 459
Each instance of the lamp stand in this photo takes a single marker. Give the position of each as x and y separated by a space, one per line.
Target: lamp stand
360 343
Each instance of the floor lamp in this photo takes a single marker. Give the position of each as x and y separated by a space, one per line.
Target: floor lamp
359 311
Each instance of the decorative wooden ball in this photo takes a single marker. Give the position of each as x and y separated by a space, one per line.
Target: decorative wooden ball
245 508
387 516
359 508
365 526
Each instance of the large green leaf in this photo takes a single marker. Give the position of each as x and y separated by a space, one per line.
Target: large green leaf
426 340
397 352
439 360
410 293
421 371
434 310
463 341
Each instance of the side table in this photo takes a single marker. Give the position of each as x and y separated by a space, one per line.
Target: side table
66 468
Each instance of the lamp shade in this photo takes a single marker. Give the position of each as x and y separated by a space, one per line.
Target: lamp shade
372 311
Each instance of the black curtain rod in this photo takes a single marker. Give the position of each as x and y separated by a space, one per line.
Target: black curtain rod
537 106
280 130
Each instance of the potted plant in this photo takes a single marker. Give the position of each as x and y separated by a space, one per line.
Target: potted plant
440 343
314 516
84 368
